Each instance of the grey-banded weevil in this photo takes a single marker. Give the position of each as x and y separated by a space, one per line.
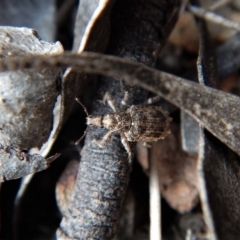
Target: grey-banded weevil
138 123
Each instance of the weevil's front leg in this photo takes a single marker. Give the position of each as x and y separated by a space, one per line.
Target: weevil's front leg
125 100
126 144
105 139
109 99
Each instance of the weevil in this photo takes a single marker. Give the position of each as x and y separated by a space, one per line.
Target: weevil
137 123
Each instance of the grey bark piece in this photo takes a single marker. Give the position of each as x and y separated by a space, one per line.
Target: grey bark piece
15 164
39 15
24 41
27 100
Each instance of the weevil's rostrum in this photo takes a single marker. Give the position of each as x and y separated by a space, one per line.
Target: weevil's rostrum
148 123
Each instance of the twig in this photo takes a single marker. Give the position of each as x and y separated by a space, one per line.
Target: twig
217 111
155 201
213 17
218 4
24 184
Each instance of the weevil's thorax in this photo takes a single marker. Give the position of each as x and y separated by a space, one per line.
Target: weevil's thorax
117 121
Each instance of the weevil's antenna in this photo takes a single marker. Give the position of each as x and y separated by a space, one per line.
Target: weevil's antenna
84 108
85 132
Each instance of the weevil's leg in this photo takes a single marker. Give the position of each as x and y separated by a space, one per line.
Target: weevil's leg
109 99
152 100
84 108
125 100
126 144
105 139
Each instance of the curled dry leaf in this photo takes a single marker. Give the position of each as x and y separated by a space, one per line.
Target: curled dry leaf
217 184
27 99
177 169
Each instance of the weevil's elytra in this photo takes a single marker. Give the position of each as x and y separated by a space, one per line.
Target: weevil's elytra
148 124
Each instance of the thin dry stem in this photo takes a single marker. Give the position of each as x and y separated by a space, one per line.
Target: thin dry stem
218 4
213 17
155 201
217 111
